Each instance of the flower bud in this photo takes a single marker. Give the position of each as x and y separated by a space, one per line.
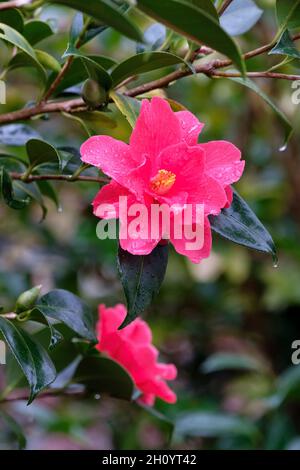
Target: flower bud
27 299
93 93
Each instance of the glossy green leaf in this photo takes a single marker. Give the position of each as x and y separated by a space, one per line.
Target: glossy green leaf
141 63
230 361
22 60
40 151
17 134
36 31
240 225
106 12
8 193
69 309
141 277
209 424
12 18
288 130
205 5
93 68
48 190
31 357
240 16
31 190
102 375
286 46
14 427
288 13
55 336
48 61
195 24
129 107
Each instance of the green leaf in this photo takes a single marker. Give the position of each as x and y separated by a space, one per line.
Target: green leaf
31 357
48 61
22 60
141 63
141 277
94 69
76 29
240 16
240 225
129 107
69 309
288 130
288 384
17 134
205 5
16 39
36 31
209 424
14 428
55 336
288 13
97 117
12 18
195 24
31 190
286 46
102 375
229 361
7 191
106 12
40 151
48 190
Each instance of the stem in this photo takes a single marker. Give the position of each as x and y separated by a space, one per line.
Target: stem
224 6
69 178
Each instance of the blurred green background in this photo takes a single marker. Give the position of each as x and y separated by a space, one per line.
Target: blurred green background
228 323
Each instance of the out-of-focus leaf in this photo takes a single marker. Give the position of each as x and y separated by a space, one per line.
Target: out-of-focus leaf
240 16
143 62
195 24
106 12
7 192
40 151
31 357
141 277
76 29
97 117
12 18
288 13
288 385
286 46
129 107
226 361
102 375
36 31
154 37
48 61
239 224
69 309
288 130
14 428
17 134
206 424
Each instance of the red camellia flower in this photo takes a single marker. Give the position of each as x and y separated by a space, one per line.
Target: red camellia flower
165 164
132 348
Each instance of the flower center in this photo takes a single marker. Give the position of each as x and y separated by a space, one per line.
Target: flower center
162 181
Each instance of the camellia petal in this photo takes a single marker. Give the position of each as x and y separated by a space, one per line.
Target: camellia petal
190 127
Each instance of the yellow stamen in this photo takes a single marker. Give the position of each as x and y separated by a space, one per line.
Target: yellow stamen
162 182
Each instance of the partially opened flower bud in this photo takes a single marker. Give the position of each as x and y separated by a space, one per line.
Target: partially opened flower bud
27 299
93 93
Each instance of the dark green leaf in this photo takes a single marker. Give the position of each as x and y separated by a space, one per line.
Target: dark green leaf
14 428
55 336
48 190
205 5
31 357
17 134
288 13
239 224
141 277
208 424
286 46
102 375
12 18
7 191
129 107
240 16
40 151
195 24
35 31
67 308
141 63
31 190
288 130
97 117
106 12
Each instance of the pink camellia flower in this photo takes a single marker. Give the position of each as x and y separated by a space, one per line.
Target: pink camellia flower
132 348
164 164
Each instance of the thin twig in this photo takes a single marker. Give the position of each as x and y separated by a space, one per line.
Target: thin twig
69 178
224 6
